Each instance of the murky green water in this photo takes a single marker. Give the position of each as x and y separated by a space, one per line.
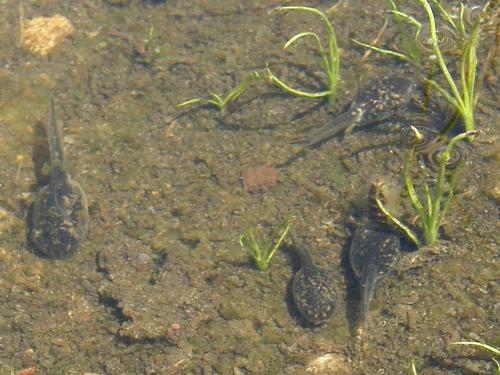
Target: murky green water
162 285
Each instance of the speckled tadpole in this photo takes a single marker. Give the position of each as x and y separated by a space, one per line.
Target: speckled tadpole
372 255
312 288
60 212
378 101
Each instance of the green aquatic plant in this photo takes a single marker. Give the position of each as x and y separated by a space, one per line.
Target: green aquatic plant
489 348
262 254
217 100
437 200
460 93
330 59
148 54
407 41
413 367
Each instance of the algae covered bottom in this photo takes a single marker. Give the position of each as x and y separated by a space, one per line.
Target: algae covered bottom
161 286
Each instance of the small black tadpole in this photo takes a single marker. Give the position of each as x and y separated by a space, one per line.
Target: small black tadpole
373 255
60 215
380 100
313 287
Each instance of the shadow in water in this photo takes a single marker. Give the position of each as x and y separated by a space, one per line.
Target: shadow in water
40 156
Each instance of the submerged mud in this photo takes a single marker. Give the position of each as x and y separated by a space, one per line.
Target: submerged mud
162 286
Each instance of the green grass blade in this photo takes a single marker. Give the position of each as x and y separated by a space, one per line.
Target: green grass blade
407 18
439 55
409 183
446 16
216 97
392 218
408 44
248 242
326 64
413 368
384 51
449 197
330 61
291 90
427 193
189 102
498 365
461 19
239 89
323 17
299 36
487 347
282 234
447 95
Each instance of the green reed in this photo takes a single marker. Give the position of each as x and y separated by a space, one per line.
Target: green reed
460 92
261 254
488 348
436 201
220 102
151 51
330 58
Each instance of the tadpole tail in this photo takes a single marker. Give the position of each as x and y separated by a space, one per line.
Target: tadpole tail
367 291
54 138
305 256
336 126
319 135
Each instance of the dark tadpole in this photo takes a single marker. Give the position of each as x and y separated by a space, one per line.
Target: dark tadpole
312 288
60 217
380 100
373 254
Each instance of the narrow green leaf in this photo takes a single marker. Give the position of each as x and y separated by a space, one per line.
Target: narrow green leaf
289 89
384 51
479 345
189 102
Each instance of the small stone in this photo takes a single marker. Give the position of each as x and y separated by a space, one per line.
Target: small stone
329 363
41 35
494 190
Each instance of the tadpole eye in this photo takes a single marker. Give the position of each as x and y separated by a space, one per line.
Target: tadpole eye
433 153
417 136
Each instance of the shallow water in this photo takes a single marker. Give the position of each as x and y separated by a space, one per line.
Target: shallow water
162 285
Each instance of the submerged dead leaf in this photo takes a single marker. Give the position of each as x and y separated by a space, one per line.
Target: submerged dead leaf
259 178
27 371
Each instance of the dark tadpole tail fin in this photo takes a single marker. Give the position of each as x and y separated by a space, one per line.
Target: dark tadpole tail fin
291 159
368 284
322 134
333 128
305 256
54 137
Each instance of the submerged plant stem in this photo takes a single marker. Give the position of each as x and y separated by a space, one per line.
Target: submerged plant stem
330 60
431 214
411 235
460 93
